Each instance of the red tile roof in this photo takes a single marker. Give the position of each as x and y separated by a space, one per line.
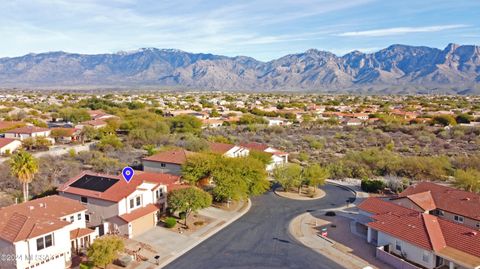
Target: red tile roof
68 131
255 146
220 147
80 232
178 156
452 200
5 141
36 217
121 188
27 130
423 230
94 122
423 199
5 125
139 212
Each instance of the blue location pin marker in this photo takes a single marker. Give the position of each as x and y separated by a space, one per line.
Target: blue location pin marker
127 173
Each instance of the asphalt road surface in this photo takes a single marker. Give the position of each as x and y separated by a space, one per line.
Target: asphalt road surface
260 239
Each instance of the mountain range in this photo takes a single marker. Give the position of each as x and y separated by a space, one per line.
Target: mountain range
396 69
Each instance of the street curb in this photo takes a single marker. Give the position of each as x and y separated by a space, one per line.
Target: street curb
212 233
343 187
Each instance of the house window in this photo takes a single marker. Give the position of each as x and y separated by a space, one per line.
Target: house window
44 242
138 200
159 193
458 219
72 218
163 164
79 216
426 256
478 225
87 218
132 203
441 213
84 199
398 246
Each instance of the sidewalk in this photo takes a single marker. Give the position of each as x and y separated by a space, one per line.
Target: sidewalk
170 245
354 186
302 228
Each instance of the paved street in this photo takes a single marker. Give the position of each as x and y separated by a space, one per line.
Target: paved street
260 239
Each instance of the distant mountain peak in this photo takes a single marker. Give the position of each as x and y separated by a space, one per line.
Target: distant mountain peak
456 68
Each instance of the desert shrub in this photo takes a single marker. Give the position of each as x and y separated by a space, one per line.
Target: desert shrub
170 222
372 185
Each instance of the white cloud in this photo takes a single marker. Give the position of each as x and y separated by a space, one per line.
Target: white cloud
402 30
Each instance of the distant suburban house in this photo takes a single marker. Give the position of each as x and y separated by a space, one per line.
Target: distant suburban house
169 162
117 207
67 134
278 122
9 125
352 122
22 133
43 233
278 157
97 124
427 226
9 145
212 123
100 115
228 150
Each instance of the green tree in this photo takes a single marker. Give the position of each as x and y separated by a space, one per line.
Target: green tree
316 175
185 124
263 157
110 141
289 176
87 134
28 143
188 200
24 166
444 120
468 179
105 250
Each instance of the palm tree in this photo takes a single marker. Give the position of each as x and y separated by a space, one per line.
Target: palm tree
24 166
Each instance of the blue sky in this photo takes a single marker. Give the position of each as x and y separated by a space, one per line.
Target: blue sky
263 29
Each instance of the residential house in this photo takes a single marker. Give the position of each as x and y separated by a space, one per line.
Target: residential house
9 145
447 203
352 122
278 157
43 233
22 133
8 125
100 115
117 207
212 123
278 122
169 162
406 238
67 134
96 124
228 150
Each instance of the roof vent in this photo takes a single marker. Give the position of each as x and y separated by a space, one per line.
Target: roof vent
31 207
472 233
466 199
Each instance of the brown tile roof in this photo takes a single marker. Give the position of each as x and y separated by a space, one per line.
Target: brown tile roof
139 212
423 230
255 146
423 199
69 131
220 148
456 201
178 156
5 125
27 130
36 217
94 122
6 141
121 188
80 232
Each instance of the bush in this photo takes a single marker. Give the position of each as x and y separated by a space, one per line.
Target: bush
372 185
86 266
182 215
170 222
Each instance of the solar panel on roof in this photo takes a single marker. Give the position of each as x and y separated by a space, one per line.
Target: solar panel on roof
94 183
